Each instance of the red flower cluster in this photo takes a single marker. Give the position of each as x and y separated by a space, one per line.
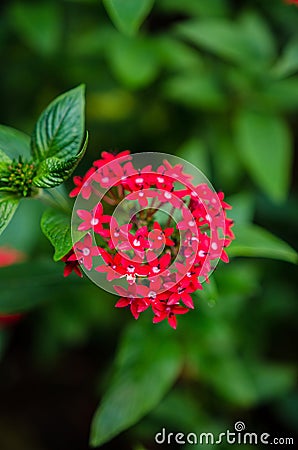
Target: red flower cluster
159 264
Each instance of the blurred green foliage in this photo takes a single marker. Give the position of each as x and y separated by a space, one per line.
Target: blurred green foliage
214 82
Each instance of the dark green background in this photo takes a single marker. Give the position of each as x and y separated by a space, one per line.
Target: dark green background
216 83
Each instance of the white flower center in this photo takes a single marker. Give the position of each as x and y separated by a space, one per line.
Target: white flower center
168 195
152 294
139 180
105 179
155 269
94 221
141 194
86 251
136 243
208 218
201 254
130 269
160 179
116 234
214 246
191 223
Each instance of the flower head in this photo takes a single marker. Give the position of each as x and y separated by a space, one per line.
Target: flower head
161 259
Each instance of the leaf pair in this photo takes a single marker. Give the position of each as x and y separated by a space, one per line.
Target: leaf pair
55 150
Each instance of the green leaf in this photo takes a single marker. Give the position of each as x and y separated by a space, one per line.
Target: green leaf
128 15
194 7
14 142
222 37
54 171
256 29
177 55
195 152
280 95
56 226
147 365
38 24
27 285
8 206
195 90
254 241
59 130
243 205
4 158
133 61
264 143
288 62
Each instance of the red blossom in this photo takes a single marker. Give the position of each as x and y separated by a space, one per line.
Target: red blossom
83 185
161 263
84 251
163 311
159 237
130 297
92 220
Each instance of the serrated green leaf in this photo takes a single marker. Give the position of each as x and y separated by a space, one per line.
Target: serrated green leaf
14 142
54 171
143 375
8 206
56 226
4 159
59 130
128 15
254 241
264 143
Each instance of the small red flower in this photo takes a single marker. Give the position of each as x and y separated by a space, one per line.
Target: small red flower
142 196
112 267
130 297
71 265
159 237
164 311
116 233
84 252
159 266
139 240
92 220
107 157
83 185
